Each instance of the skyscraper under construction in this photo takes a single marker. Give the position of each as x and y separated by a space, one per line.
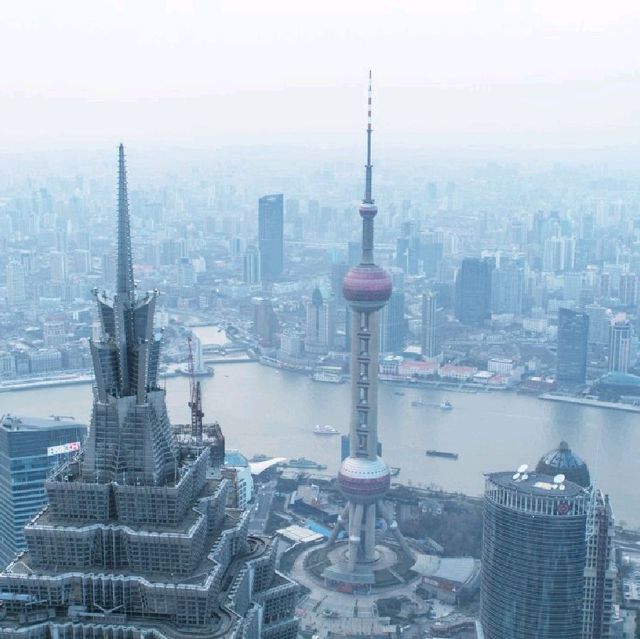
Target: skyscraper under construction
137 542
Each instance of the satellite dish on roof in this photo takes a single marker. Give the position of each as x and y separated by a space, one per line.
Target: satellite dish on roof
523 468
524 476
558 479
516 476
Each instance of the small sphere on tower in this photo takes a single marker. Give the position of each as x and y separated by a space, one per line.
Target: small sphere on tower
362 480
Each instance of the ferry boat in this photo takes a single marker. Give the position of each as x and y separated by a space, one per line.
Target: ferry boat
327 376
325 429
303 462
442 453
417 402
446 405
260 457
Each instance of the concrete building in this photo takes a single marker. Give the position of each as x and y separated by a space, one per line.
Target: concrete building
29 448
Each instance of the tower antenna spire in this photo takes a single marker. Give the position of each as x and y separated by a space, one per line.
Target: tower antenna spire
368 168
124 285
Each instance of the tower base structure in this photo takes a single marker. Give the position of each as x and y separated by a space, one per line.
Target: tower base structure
360 560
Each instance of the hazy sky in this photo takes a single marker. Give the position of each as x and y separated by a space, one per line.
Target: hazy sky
447 73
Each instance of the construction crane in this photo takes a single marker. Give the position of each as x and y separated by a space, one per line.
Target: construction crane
195 400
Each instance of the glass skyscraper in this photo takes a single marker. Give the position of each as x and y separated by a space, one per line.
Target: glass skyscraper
473 291
29 448
533 557
271 236
573 336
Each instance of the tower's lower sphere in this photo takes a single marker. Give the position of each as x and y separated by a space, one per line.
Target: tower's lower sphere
367 286
362 480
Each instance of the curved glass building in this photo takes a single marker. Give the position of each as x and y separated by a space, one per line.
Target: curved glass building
533 557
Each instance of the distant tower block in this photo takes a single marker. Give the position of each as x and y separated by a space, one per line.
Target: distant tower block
364 478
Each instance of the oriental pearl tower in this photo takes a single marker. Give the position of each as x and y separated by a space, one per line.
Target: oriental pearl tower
364 477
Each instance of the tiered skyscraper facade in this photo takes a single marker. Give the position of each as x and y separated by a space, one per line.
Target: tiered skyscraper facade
136 541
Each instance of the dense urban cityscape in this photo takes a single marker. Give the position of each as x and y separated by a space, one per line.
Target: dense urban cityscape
318 391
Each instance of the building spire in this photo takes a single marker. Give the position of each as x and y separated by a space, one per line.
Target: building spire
124 285
368 168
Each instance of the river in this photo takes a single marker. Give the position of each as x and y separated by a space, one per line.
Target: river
265 410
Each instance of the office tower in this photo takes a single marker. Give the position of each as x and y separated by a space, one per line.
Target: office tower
354 249
320 324
16 283
29 448
136 540
473 291
251 266
364 477
533 556
629 289
432 257
573 335
507 290
338 272
601 572
265 322
58 266
619 344
559 254
393 326
430 344
599 323
571 287
186 272
54 333
402 253
271 236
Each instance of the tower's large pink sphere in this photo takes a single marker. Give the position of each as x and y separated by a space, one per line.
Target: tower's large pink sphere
362 480
367 285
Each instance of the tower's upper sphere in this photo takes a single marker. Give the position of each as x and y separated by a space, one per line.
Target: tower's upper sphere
362 480
367 287
368 210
